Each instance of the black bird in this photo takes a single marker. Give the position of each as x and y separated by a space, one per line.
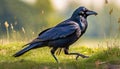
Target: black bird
62 35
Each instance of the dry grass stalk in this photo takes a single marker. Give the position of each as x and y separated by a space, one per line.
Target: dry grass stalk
6 24
106 1
98 63
42 12
118 20
12 26
33 33
111 10
7 31
23 30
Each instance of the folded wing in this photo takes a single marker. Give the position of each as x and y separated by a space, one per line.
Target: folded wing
60 31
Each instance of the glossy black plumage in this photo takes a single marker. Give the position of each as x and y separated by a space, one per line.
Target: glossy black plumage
62 35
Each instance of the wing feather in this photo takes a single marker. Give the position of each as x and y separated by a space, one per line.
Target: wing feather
60 31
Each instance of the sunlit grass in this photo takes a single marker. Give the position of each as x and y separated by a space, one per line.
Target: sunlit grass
42 59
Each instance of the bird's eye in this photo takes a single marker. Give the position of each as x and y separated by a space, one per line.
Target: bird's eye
81 13
84 9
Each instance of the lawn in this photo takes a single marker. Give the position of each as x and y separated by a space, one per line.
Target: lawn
100 58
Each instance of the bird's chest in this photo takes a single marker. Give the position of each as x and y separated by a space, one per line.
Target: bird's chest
83 23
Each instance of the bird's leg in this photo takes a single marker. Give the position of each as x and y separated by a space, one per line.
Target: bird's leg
78 54
52 52
58 51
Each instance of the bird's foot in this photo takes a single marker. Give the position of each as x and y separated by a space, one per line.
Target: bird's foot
83 56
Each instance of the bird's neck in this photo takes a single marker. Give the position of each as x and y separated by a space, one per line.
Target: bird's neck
82 22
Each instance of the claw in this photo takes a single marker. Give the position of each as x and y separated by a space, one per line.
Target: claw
77 57
86 57
83 56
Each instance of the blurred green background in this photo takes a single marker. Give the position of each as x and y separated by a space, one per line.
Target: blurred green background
24 19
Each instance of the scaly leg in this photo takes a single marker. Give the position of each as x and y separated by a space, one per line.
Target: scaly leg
52 52
58 51
78 54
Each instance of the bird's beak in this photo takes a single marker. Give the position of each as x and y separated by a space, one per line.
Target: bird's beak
91 12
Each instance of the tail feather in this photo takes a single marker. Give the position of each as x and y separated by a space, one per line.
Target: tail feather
32 42
32 46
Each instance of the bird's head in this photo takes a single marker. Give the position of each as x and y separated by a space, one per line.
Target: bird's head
84 12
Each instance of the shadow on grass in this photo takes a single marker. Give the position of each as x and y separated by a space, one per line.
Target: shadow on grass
27 64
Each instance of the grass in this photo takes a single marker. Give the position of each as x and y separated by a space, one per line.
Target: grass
42 59
100 58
